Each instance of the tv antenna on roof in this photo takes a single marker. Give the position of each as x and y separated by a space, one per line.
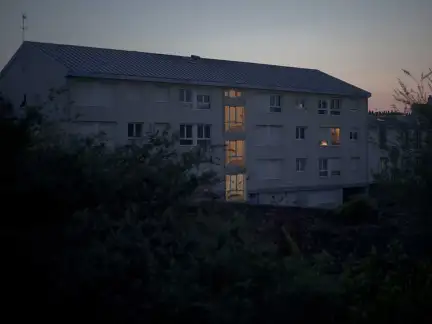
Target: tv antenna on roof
23 25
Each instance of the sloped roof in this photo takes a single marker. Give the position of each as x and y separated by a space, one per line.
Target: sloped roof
109 63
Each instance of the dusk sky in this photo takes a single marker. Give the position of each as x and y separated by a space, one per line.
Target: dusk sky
364 42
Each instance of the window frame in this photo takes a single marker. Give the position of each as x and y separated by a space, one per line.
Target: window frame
232 93
301 103
323 167
202 104
183 95
229 189
202 139
134 130
182 139
232 125
275 103
352 137
232 155
335 110
299 130
323 110
301 162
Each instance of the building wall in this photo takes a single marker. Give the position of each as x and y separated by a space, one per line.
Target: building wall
33 74
123 102
109 105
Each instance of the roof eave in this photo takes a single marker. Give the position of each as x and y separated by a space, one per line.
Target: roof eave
361 93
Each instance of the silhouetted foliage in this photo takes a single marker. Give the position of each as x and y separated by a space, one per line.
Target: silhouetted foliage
116 234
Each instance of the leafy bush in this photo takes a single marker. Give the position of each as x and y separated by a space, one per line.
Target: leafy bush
108 234
357 210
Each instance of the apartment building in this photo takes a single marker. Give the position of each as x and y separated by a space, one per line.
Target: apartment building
292 136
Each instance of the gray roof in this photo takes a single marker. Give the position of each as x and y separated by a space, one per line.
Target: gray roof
109 63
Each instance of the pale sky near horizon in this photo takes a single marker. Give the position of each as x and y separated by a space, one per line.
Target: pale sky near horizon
364 42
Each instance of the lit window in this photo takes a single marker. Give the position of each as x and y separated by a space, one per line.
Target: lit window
235 187
234 118
323 167
135 130
275 103
323 143
300 132
186 136
234 152
232 93
335 136
300 165
185 95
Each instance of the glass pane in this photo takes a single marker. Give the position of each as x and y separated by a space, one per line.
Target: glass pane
138 130
182 131
232 115
189 131
130 130
207 133
200 132
240 114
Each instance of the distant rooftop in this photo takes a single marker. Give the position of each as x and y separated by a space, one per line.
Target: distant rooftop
84 61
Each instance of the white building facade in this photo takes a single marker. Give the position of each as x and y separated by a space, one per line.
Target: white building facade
294 137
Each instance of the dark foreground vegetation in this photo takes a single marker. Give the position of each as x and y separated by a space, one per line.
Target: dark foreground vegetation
91 233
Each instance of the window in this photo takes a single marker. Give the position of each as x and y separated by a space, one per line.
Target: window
384 163
335 107
185 95
234 118
301 103
300 132
329 136
335 136
234 152
353 135
323 167
186 136
232 93
135 130
235 187
275 103
355 164
204 136
300 165
269 135
322 107
203 101
195 135
335 166
270 169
